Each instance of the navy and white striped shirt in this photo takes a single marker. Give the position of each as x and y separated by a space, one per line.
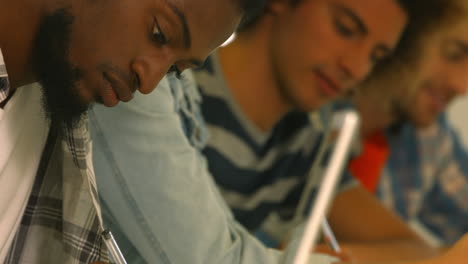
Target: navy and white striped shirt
259 173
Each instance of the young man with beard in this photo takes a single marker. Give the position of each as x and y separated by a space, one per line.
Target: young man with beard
154 184
80 52
421 171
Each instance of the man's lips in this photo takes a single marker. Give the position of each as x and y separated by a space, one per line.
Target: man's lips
327 85
108 96
116 90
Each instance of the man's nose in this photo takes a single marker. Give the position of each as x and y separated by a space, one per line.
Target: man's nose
150 70
355 65
459 81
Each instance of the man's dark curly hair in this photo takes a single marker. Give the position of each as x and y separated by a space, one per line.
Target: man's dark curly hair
253 10
415 9
426 17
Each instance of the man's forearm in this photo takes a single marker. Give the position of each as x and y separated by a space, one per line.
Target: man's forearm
391 251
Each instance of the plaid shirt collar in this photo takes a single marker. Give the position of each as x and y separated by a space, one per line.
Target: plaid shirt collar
63 216
4 85
62 222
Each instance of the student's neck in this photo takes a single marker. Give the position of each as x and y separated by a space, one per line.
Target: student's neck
247 67
16 38
375 116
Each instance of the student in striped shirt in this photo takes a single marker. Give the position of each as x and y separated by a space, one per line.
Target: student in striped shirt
257 93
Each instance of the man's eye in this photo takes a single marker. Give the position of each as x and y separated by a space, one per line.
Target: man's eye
343 29
157 34
454 52
378 56
453 55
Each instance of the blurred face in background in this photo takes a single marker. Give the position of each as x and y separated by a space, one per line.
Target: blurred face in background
443 76
322 48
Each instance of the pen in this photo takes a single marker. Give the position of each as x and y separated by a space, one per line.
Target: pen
349 121
329 236
113 248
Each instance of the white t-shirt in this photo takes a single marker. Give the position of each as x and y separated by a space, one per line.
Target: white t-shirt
23 134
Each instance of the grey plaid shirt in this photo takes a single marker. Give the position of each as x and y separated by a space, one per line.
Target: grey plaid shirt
4 85
62 220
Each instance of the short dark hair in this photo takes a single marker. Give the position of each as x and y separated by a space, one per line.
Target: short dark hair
253 9
413 9
425 17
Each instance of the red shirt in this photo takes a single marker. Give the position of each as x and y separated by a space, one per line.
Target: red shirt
368 166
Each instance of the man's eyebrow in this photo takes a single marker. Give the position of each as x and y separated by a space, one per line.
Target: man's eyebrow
356 19
183 21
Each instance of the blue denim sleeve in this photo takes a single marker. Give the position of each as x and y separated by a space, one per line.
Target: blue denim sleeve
158 197
446 210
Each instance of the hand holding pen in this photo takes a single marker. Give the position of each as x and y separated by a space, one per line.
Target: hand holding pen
332 246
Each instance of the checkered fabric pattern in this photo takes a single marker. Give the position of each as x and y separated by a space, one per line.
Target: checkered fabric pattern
62 220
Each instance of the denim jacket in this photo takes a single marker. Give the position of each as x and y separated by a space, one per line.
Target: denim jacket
157 195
